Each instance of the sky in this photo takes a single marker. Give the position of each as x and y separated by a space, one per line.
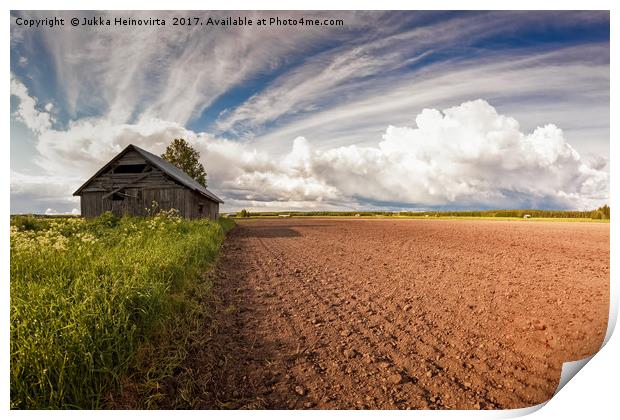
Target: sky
389 111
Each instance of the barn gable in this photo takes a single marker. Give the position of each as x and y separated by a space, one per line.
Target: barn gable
132 180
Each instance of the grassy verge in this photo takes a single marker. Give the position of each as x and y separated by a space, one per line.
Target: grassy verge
87 295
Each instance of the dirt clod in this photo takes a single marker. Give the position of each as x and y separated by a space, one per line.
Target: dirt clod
349 353
395 378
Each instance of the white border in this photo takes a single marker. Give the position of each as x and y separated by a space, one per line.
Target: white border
591 395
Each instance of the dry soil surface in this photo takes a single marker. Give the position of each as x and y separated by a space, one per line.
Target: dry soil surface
383 314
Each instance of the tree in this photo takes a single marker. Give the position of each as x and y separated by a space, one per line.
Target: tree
601 213
186 158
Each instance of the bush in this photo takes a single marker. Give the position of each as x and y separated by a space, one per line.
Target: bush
29 222
244 213
106 220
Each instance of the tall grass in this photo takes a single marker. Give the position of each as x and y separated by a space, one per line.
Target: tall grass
86 294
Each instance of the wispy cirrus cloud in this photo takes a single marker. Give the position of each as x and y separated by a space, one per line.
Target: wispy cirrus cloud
175 72
301 117
522 85
348 75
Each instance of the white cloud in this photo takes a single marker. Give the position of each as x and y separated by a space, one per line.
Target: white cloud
88 143
36 193
467 155
178 73
53 212
27 112
536 91
174 75
342 90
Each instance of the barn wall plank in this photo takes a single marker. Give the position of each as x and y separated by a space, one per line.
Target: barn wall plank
131 158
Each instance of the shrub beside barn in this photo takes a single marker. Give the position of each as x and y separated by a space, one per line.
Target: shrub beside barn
135 178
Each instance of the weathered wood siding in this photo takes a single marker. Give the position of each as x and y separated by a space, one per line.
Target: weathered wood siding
201 206
142 189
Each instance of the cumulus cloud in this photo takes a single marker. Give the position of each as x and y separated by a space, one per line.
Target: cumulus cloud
53 212
88 143
465 156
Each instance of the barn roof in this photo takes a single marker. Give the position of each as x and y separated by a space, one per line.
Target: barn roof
165 166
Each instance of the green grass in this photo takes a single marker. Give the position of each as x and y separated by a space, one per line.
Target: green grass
86 295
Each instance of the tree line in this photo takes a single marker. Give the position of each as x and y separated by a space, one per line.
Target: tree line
602 212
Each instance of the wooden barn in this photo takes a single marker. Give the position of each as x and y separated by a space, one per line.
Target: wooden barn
135 178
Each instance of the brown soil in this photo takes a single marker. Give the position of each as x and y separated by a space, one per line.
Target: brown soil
382 314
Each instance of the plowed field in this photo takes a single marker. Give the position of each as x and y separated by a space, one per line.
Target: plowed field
382 314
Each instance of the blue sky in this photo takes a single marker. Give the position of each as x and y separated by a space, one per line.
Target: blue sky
393 110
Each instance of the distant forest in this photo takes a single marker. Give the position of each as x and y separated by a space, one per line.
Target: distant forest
600 213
